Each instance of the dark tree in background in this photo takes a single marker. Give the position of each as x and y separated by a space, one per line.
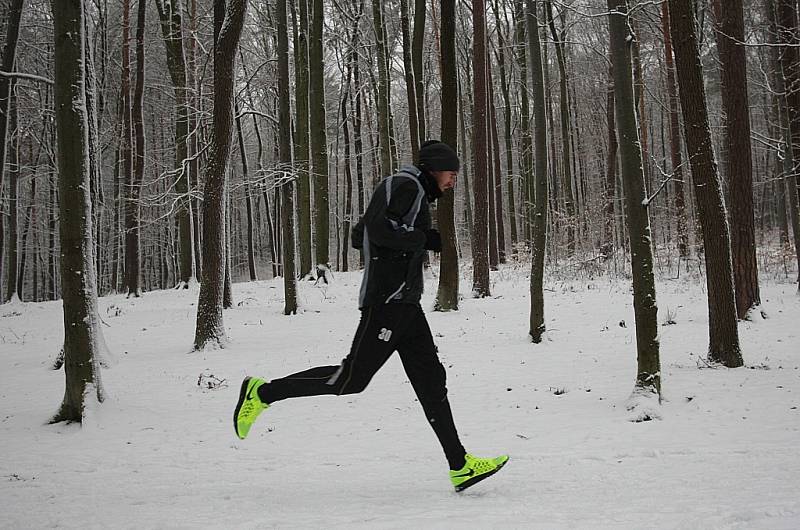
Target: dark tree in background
739 160
480 145
447 293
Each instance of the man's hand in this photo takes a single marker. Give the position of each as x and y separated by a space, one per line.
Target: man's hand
433 240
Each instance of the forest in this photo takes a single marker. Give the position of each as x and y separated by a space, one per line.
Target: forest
150 145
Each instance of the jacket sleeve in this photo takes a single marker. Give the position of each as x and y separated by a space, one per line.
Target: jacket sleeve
386 228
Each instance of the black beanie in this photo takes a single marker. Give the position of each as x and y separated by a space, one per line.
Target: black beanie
438 156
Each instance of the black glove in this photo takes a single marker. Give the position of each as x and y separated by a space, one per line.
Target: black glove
433 240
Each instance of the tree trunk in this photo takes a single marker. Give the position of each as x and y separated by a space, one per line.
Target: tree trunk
210 327
411 93
82 335
607 247
497 182
723 333
739 160
480 235
301 141
501 63
539 229
417 44
447 292
648 378
251 255
13 12
566 125
526 156
170 14
675 137
319 137
789 38
285 156
383 103
133 206
12 269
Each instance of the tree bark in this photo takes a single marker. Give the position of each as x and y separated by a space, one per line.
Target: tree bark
648 378
170 14
417 44
739 160
539 229
789 39
675 138
12 269
319 137
447 291
480 235
82 335
526 155
384 105
228 22
566 127
411 89
251 255
723 333
285 156
301 141
132 205
13 14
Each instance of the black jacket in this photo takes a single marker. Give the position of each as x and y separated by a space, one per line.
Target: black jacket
391 235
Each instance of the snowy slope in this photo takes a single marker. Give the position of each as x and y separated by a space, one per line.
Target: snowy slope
161 452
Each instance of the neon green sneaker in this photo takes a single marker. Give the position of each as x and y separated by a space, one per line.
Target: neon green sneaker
475 470
249 406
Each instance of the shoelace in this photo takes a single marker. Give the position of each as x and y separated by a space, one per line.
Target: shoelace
481 465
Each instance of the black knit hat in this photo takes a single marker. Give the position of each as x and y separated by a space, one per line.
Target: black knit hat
438 156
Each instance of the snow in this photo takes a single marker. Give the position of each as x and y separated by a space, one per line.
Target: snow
160 451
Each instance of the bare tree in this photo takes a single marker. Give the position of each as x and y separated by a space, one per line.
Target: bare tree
82 334
447 293
319 137
648 378
285 156
228 21
539 230
723 334
735 106
170 14
480 229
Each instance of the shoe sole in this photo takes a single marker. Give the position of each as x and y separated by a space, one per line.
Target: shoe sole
474 480
242 396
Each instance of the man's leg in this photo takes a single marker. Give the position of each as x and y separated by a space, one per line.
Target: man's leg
375 341
427 376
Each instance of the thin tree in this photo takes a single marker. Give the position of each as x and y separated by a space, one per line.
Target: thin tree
417 45
301 139
384 102
12 15
319 138
82 335
675 137
648 378
723 333
787 87
539 230
411 88
480 145
133 206
170 15
447 292
228 21
735 106
285 158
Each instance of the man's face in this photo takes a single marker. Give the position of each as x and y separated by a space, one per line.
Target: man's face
445 179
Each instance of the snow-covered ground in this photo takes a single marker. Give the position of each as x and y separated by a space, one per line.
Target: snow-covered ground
160 452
